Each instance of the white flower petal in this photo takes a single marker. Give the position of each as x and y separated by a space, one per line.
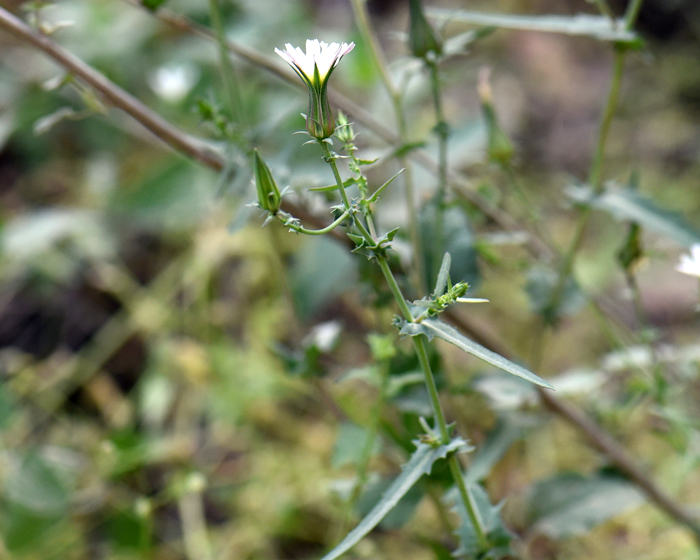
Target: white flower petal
690 264
318 54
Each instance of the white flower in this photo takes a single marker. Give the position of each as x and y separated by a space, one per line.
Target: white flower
690 264
173 82
314 67
318 55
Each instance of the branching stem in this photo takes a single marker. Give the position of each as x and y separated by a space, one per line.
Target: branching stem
422 354
327 229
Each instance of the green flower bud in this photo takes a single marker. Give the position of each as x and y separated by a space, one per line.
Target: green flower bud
345 132
422 38
268 194
499 148
319 120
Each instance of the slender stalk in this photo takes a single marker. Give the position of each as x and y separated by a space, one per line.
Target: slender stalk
468 501
632 12
370 39
604 9
596 172
401 302
330 159
327 229
441 130
594 179
233 94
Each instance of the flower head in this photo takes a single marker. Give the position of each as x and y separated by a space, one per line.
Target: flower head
690 264
314 67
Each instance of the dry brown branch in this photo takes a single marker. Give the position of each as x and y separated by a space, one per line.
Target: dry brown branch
112 93
596 436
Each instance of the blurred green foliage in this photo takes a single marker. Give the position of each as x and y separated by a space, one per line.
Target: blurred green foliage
178 384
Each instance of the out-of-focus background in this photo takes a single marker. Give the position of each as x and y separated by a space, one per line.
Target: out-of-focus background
179 383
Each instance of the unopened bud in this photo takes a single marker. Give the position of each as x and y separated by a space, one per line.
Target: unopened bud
268 194
422 38
499 148
344 132
319 121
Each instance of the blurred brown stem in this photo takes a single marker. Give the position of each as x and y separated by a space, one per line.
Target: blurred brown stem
596 435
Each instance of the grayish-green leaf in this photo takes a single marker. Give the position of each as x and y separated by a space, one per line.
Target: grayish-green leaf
36 484
598 27
434 327
322 270
572 504
403 511
627 204
350 443
508 430
541 284
490 515
421 463
457 239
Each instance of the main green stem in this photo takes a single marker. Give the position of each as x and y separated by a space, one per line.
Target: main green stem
441 131
422 353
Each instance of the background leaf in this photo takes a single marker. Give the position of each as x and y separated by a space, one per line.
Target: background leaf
598 27
458 241
626 204
571 504
490 515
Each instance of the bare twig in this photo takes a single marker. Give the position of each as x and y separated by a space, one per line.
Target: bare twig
116 96
121 99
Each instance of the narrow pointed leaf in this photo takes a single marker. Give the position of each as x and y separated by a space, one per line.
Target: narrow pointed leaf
373 198
421 463
434 327
598 27
327 188
443 275
571 504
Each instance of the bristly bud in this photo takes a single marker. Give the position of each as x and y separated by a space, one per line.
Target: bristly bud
422 37
268 194
344 132
500 149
